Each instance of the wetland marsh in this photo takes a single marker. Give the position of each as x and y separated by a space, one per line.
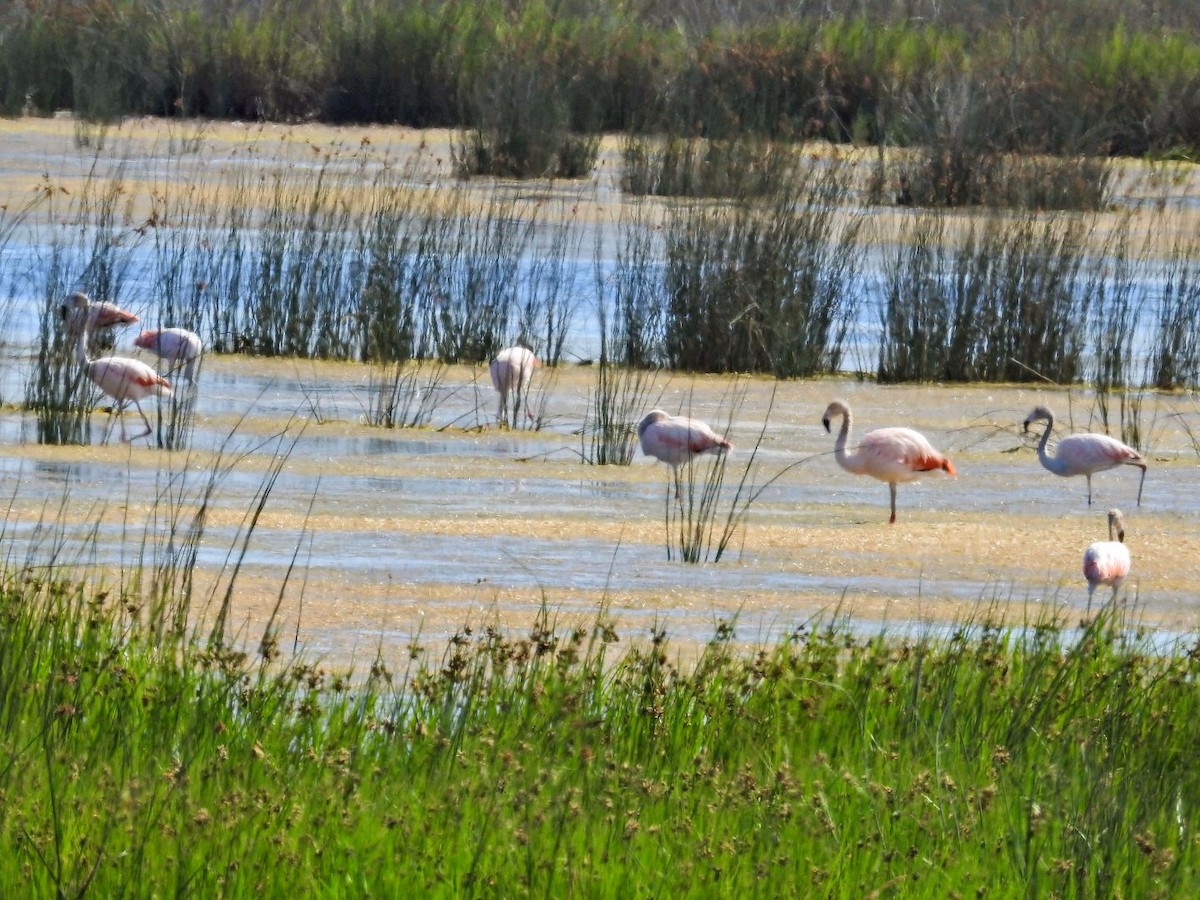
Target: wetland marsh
374 535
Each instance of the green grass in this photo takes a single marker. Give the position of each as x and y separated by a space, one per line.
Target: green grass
986 760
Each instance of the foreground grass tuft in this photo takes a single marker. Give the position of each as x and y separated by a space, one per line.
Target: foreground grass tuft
991 759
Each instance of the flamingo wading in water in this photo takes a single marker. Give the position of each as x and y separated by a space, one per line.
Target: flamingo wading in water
1084 454
99 316
178 347
889 454
511 372
677 439
125 380
1107 562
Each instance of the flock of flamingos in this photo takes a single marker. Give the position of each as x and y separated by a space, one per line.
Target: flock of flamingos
893 455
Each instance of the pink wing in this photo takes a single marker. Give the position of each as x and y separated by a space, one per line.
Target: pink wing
1094 453
900 454
674 439
127 379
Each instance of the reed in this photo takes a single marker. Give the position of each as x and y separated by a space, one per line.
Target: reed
1175 351
1117 305
627 311
1008 303
764 287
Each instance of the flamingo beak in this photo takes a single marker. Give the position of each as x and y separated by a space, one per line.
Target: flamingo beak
825 422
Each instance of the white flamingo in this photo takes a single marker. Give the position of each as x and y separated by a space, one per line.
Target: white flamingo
1084 454
177 347
511 372
124 380
889 454
1107 562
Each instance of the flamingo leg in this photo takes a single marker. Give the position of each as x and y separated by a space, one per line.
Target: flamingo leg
149 427
1140 485
1089 482
892 490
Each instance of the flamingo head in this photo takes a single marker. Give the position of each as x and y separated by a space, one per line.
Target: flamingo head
77 302
1116 525
836 408
655 415
1039 414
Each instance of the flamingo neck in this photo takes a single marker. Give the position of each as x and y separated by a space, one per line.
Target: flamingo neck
81 343
844 458
1050 462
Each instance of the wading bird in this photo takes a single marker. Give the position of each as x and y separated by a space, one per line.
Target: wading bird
1084 454
177 347
79 310
125 380
676 439
889 454
512 370
1107 562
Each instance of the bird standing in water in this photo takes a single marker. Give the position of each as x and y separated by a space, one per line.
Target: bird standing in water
178 347
676 439
1084 454
125 380
511 372
889 454
1107 562
99 316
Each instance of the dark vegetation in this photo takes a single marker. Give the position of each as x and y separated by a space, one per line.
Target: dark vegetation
1093 77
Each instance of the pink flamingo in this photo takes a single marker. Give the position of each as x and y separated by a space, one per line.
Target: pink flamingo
1107 562
889 454
677 439
125 380
98 314
179 347
1084 454
512 370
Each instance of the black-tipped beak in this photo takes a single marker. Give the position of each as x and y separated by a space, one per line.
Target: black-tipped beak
825 422
1025 427
1121 535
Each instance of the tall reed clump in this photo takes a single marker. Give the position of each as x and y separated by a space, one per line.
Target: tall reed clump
628 313
519 104
698 167
1117 302
1175 350
960 158
1006 303
764 286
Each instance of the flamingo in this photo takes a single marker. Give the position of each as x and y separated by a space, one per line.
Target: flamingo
1107 562
889 454
80 310
512 370
177 346
125 380
1084 454
677 439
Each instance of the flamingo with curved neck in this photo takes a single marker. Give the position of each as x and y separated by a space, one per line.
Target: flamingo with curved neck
889 454
1084 454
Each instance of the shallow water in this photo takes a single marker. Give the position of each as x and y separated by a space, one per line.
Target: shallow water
396 533
376 537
